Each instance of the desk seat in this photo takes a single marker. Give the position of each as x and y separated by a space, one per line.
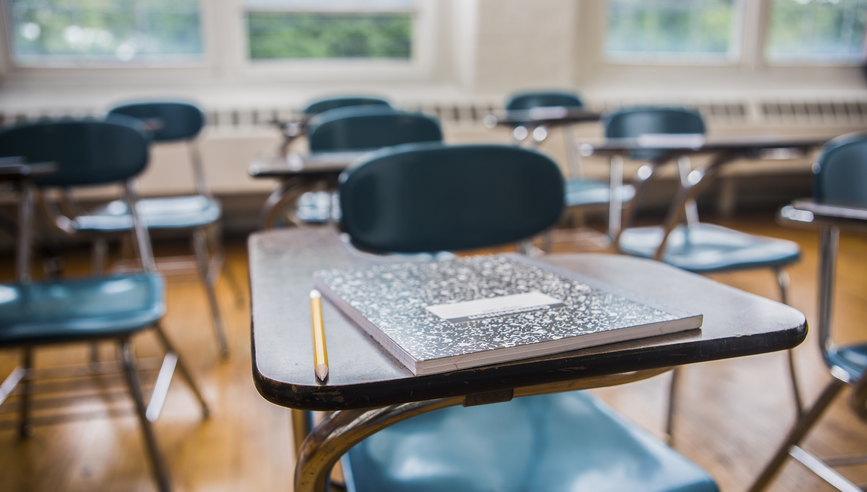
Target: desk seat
182 212
705 248
70 310
587 192
559 442
852 359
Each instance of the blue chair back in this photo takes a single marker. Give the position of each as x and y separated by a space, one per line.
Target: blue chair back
323 105
634 122
431 197
363 128
87 152
170 120
840 175
530 100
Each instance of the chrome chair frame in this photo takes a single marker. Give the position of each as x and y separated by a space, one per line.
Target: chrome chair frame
828 248
320 448
208 261
683 208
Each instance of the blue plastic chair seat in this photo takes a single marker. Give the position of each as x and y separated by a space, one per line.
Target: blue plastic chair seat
69 310
852 359
182 212
587 192
561 442
705 248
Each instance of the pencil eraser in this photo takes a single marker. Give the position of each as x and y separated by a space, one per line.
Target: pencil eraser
314 294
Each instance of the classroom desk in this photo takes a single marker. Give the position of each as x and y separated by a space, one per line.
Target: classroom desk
723 150
548 116
368 390
298 174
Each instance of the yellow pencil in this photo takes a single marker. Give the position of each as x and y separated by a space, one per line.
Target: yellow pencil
320 354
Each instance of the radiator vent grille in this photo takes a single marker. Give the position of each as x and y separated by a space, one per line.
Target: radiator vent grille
794 112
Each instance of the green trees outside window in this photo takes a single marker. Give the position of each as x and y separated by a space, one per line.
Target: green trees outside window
111 30
685 29
275 35
814 31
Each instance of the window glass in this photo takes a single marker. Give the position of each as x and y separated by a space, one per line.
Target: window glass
816 31
330 29
105 30
670 29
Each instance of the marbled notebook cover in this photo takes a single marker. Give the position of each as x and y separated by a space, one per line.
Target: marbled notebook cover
389 302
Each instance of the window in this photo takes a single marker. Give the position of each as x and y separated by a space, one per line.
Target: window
105 31
692 30
810 31
330 29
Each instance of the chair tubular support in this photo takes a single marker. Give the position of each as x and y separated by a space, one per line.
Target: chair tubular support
183 370
800 429
202 187
641 184
158 464
25 216
684 195
161 386
340 431
288 192
823 470
615 184
200 247
142 240
10 382
672 406
858 400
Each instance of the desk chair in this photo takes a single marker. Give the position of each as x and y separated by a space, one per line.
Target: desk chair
359 128
695 247
103 308
840 178
327 104
581 193
407 199
294 129
195 214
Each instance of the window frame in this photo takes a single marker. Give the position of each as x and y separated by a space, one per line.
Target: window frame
225 57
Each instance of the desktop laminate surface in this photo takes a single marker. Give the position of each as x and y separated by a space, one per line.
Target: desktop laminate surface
363 375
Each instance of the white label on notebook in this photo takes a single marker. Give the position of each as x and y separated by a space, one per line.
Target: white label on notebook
461 312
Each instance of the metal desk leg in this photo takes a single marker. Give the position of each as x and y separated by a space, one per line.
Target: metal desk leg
342 430
302 425
615 201
288 192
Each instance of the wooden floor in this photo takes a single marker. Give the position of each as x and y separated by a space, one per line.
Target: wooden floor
732 413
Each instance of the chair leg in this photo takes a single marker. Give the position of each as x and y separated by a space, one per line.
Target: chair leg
203 259
24 428
227 270
783 282
302 424
672 406
797 433
184 371
97 268
160 470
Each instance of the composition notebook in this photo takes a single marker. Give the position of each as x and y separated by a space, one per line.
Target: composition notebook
447 315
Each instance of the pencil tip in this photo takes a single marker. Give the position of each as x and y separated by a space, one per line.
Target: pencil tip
321 372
